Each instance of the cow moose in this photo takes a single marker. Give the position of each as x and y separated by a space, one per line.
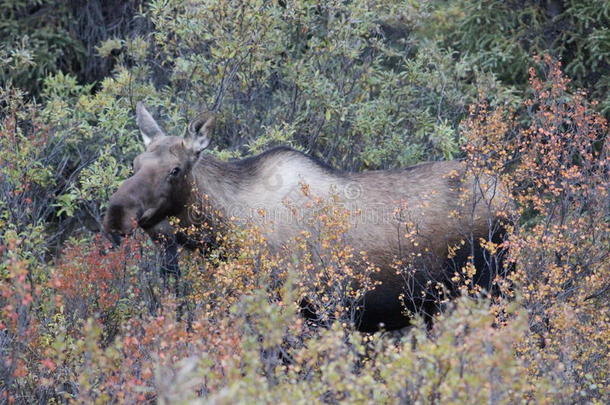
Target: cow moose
443 203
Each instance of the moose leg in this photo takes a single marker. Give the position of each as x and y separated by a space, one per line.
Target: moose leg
487 265
171 269
308 311
169 264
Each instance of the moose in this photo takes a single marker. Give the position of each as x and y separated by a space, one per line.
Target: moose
449 211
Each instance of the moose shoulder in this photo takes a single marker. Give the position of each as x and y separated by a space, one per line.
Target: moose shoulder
440 203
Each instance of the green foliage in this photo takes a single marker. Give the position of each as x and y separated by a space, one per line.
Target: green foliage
328 73
42 37
35 41
502 36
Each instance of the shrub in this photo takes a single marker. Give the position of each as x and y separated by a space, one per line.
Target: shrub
501 37
558 168
362 85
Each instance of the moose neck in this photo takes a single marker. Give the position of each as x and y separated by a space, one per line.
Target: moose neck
217 183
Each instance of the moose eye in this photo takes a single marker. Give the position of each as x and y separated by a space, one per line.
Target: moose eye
175 171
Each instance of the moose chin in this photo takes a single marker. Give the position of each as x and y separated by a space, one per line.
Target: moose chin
447 207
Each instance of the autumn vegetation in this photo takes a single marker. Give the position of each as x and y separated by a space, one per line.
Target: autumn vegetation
516 89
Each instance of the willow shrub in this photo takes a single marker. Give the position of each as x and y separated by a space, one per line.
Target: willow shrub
344 81
501 37
558 166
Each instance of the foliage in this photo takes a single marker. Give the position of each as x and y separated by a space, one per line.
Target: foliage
361 84
502 36
560 246
328 77
42 37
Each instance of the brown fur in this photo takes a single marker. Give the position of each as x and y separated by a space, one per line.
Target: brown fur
430 194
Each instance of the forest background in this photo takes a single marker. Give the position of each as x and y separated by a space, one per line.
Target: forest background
517 88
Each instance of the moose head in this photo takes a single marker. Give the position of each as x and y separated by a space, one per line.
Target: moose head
161 180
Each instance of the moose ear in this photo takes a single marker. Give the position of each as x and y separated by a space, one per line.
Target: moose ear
200 130
147 124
